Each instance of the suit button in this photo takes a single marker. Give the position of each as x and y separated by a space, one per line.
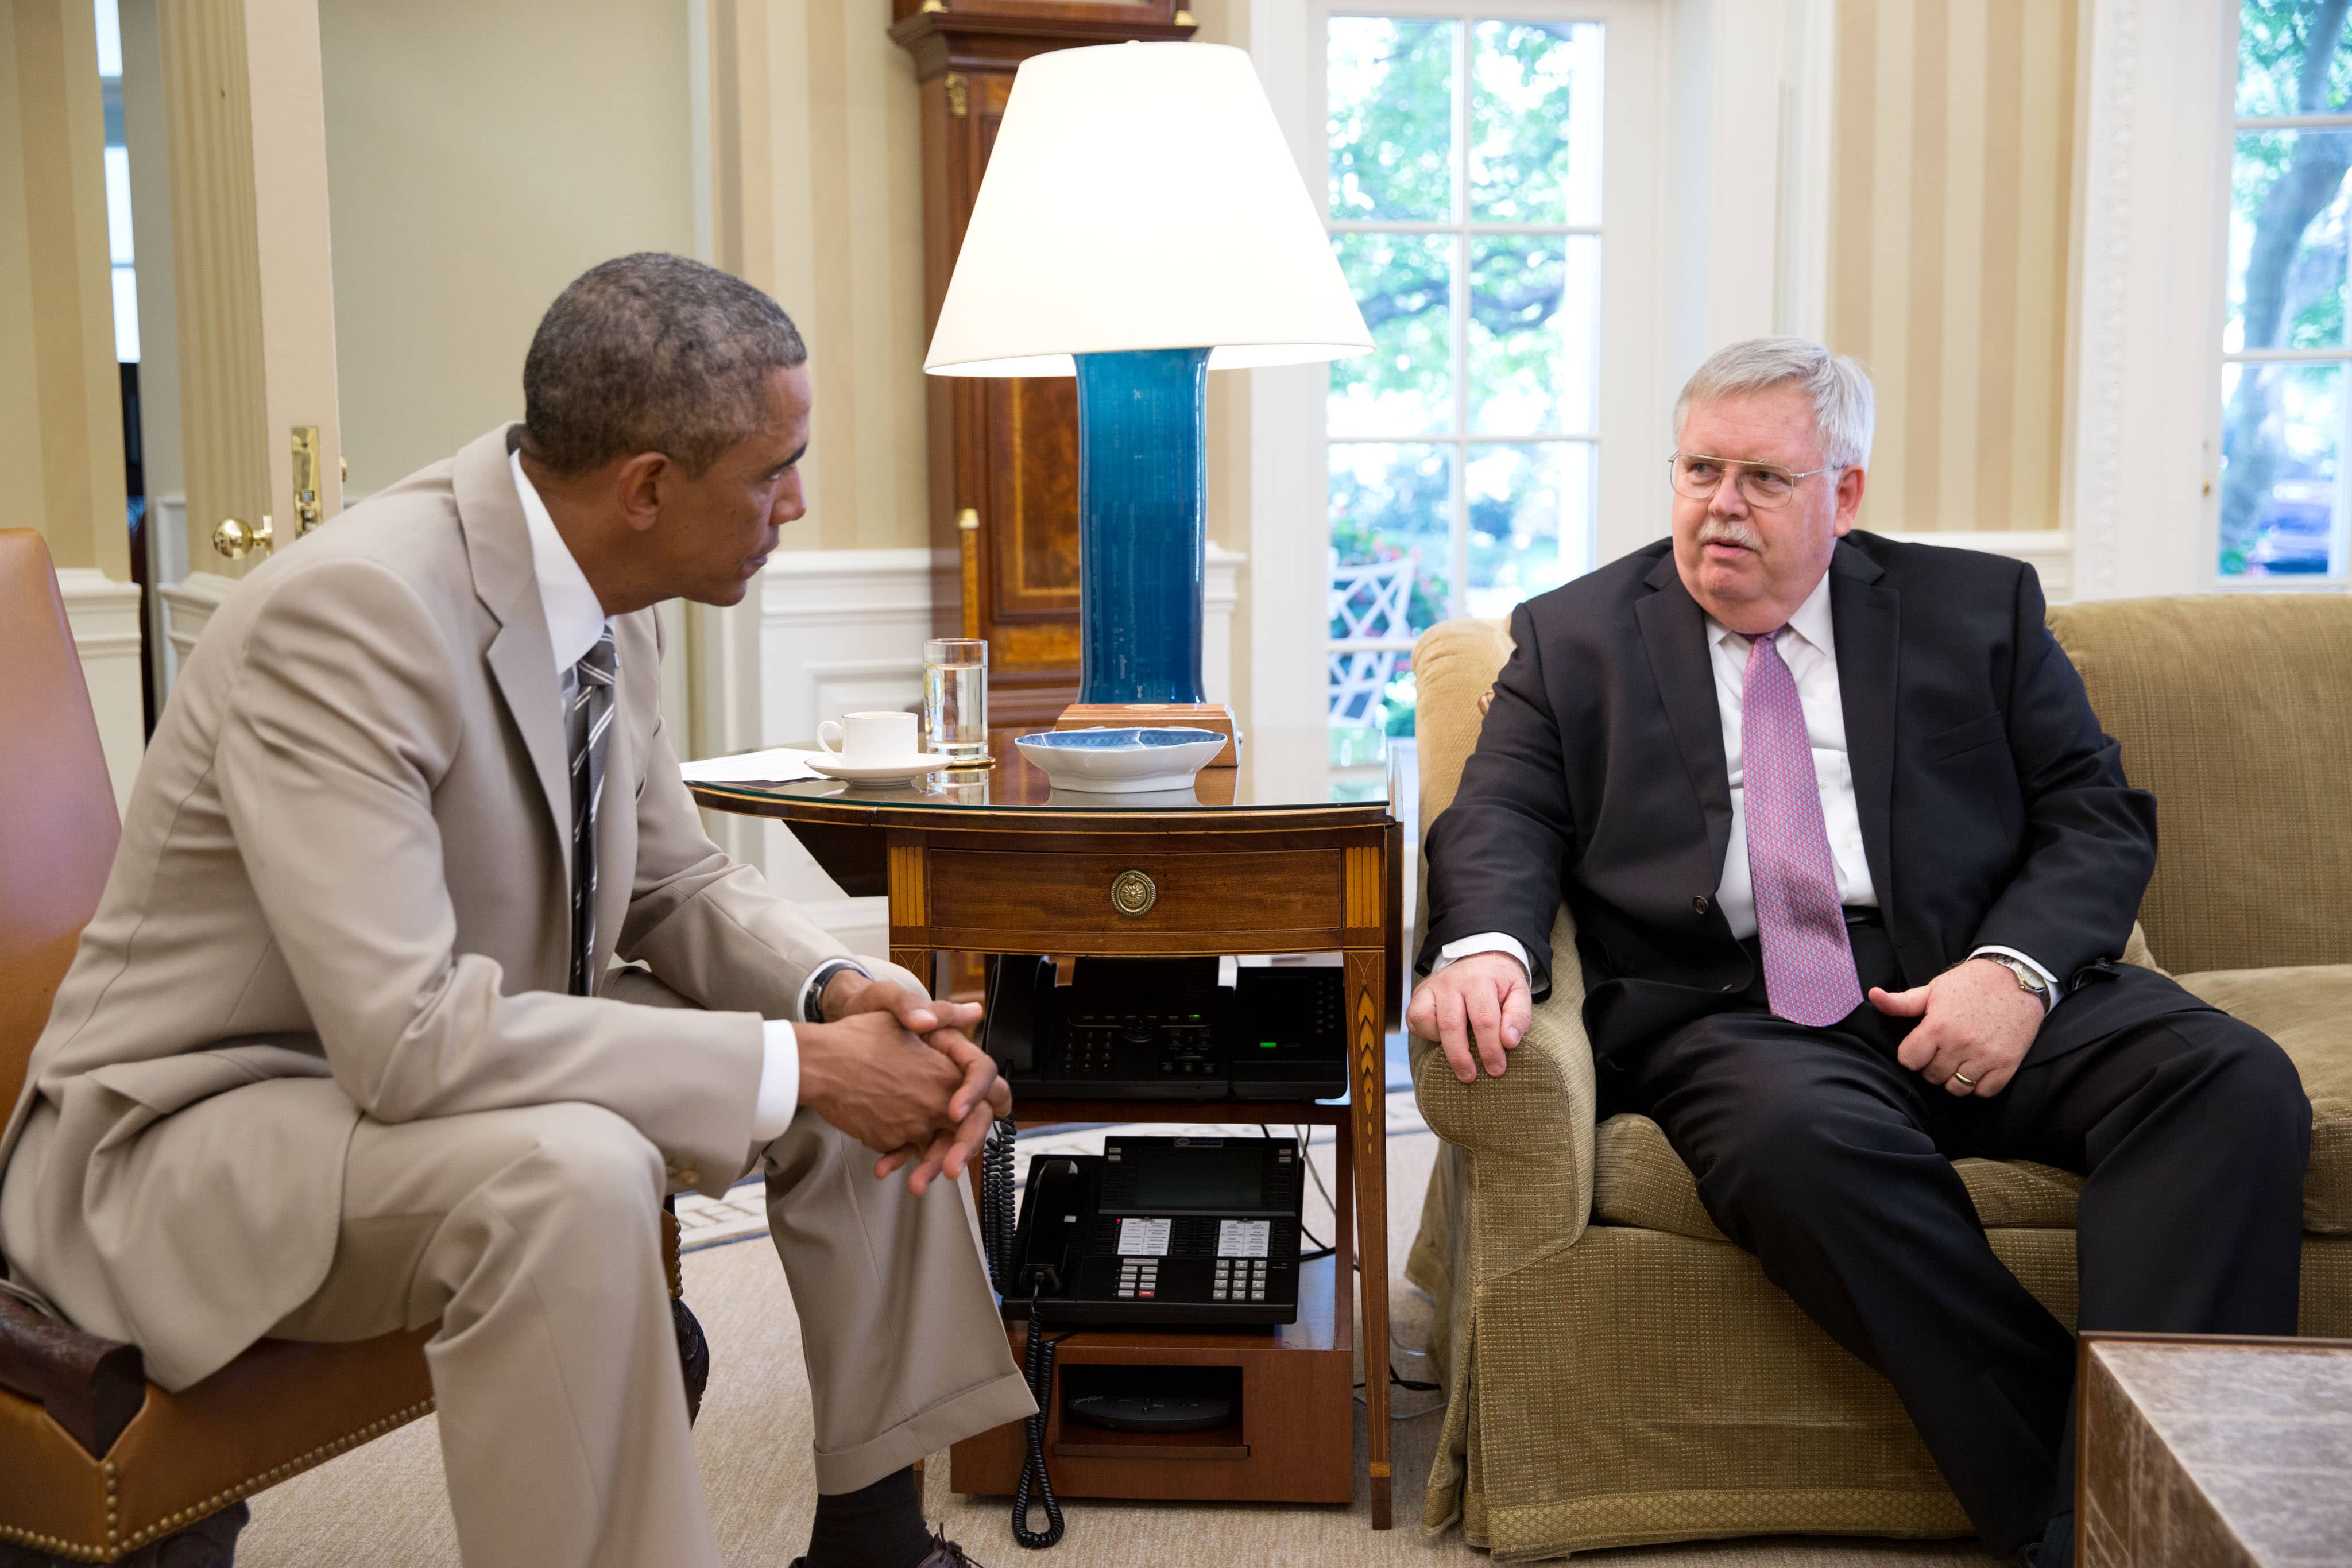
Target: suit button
1698 906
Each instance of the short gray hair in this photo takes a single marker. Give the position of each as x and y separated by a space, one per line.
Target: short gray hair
652 353
1844 412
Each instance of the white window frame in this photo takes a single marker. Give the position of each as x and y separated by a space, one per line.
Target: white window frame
1290 533
2233 125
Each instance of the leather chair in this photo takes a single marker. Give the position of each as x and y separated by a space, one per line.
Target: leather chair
97 1464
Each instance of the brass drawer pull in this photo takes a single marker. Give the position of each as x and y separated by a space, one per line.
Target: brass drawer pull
1132 893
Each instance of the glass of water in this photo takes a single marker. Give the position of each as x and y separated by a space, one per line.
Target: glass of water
955 699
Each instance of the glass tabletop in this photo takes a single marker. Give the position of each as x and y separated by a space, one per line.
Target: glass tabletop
1281 770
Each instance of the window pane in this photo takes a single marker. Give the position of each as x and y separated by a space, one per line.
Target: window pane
1530 521
1534 356
1390 504
1391 565
2287 225
1389 100
1404 286
2282 449
2275 49
1535 123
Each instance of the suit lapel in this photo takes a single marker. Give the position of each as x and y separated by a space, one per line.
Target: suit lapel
520 657
1674 633
1863 611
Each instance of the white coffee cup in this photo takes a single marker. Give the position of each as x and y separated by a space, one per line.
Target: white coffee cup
868 738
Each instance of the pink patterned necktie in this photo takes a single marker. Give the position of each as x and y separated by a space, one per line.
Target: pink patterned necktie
1809 974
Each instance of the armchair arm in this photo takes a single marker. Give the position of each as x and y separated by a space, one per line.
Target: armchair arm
1528 1133
90 1386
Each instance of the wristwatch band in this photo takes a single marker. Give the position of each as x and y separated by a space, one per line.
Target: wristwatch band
812 995
2027 980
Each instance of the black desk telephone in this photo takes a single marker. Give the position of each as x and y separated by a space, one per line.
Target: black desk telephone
1198 1231
1162 1029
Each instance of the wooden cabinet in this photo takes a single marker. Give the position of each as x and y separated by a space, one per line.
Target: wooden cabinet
1004 453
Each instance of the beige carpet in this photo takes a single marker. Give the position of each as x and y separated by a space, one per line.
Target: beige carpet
383 1505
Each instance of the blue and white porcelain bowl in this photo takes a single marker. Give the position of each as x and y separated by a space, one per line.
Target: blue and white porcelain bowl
1120 761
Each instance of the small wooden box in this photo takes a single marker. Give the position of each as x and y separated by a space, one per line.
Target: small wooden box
1293 1441
1160 715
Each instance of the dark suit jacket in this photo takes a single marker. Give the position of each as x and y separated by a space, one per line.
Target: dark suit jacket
1993 808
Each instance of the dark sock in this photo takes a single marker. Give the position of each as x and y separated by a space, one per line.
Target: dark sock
880 1526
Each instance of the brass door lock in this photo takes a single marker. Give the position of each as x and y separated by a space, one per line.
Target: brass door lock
237 539
307 514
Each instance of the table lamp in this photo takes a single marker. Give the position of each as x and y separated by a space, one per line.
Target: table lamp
1141 223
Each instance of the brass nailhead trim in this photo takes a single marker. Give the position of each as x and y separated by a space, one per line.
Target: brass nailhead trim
116 1546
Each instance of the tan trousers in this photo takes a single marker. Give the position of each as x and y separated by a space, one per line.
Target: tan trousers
533 1235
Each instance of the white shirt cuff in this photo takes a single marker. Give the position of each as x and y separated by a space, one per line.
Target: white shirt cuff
2049 980
1484 942
780 1082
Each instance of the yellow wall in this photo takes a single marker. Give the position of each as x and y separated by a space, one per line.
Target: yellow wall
481 154
826 213
478 159
1951 201
61 394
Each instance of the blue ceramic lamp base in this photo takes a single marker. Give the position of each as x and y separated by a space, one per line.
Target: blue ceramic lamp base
1143 539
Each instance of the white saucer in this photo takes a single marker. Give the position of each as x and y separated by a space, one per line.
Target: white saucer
896 770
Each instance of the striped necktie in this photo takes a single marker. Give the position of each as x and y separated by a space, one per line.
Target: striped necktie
1808 975
589 728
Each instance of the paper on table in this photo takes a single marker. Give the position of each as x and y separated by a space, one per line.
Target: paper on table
780 765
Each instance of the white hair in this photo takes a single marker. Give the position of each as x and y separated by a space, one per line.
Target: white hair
1844 413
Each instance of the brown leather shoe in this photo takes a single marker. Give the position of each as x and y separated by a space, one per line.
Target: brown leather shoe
944 1553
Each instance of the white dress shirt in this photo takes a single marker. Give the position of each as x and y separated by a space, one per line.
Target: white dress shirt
1809 647
575 619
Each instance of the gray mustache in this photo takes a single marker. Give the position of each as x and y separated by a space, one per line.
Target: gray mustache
1716 531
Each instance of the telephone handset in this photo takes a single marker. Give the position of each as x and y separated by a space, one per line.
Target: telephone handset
1163 1029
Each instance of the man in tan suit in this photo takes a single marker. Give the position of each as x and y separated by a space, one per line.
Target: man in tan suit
328 1062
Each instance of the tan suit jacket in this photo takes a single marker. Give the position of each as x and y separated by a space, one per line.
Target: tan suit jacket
343 891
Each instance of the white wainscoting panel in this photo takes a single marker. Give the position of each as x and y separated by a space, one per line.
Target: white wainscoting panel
104 617
840 631
2049 551
188 606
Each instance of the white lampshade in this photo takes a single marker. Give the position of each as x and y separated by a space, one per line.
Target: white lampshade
1141 196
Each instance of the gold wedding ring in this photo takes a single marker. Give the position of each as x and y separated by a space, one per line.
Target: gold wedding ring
1963 1079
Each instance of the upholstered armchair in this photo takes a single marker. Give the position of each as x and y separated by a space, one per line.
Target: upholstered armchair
1617 1372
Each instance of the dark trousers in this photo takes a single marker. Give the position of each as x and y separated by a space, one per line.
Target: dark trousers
1819 1153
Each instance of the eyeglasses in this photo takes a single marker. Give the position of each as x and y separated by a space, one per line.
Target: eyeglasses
1698 476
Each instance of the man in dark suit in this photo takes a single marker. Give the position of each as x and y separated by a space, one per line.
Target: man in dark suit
1851 867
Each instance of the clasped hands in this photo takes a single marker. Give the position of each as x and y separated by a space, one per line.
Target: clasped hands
1975 1022
900 1073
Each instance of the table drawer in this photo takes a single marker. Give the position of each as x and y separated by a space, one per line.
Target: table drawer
1302 891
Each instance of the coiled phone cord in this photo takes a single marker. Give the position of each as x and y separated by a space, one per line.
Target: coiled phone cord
1038 1367
999 1219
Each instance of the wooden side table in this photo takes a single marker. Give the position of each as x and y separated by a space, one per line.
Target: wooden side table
2200 1450
1255 860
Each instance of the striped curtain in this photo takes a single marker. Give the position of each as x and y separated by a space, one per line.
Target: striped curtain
1951 195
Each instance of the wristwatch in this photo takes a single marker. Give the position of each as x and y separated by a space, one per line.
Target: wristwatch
2027 980
813 994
